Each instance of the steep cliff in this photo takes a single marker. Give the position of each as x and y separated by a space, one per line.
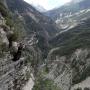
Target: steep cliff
15 74
24 35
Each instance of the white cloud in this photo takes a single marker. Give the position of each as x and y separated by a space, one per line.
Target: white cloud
43 3
48 4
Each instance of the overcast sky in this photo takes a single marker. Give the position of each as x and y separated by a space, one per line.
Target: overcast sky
48 4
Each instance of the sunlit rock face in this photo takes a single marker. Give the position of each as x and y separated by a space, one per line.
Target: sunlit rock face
3 36
29 85
66 72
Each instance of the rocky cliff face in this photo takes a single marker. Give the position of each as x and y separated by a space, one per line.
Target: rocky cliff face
69 71
68 62
15 74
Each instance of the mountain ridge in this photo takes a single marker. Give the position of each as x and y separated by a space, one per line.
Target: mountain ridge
43 20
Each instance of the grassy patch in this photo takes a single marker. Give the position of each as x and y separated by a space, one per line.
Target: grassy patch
42 84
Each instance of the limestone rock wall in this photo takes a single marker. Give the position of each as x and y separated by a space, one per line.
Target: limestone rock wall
66 72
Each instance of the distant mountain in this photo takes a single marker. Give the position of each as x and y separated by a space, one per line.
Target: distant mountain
71 14
40 8
72 7
76 1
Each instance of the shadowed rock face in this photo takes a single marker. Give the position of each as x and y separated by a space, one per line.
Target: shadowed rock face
4 2
35 21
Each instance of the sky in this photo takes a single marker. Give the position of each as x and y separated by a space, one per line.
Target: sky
48 4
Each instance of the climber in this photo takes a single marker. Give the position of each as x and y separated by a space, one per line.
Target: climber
17 55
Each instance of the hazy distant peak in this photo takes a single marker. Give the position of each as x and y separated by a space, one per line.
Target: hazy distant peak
76 1
40 8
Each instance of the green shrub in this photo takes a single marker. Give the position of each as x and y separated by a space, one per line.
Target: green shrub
9 22
79 88
3 10
3 48
45 85
13 37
